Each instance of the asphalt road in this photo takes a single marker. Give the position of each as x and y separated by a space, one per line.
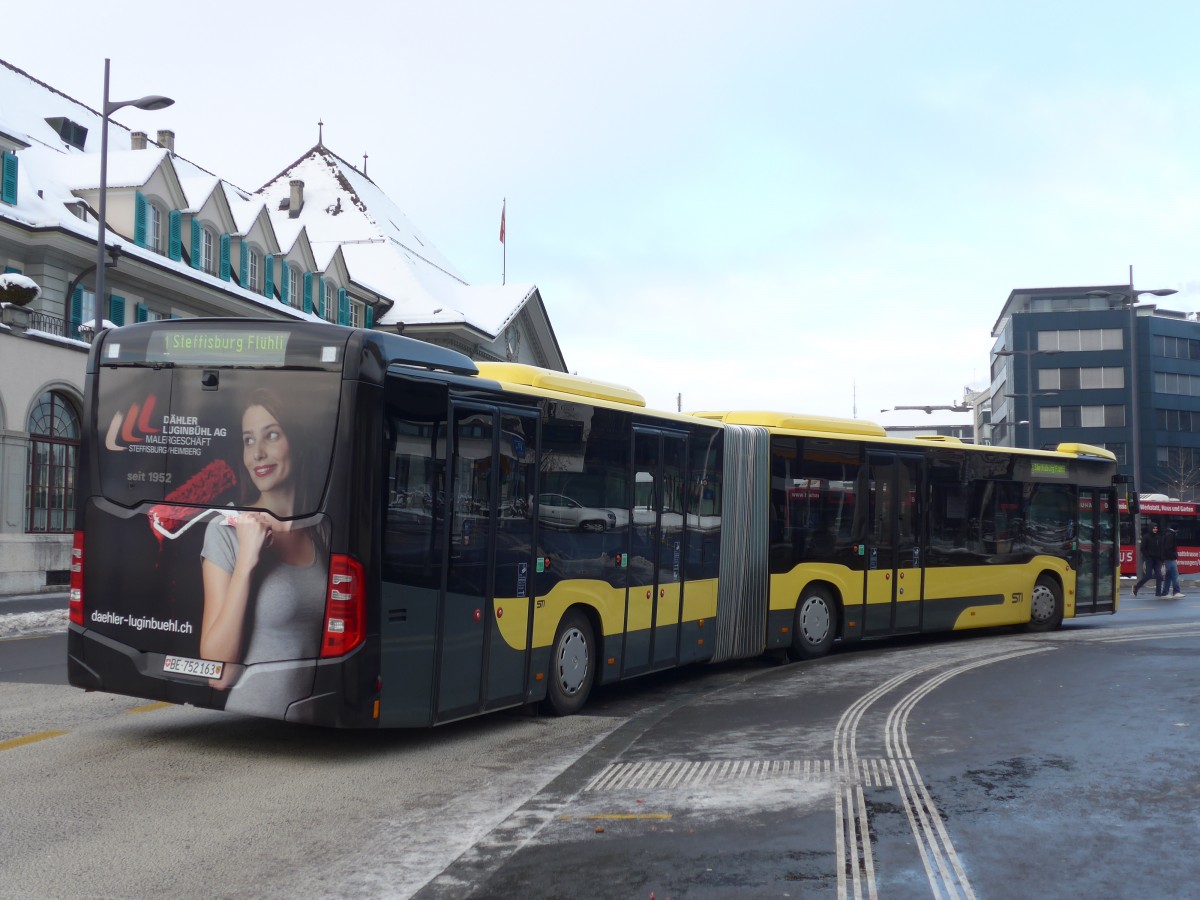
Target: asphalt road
994 765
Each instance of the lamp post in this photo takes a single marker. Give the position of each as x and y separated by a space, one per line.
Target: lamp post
1029 392
1131 298
151 102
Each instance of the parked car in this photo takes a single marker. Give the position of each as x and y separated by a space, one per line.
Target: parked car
563 512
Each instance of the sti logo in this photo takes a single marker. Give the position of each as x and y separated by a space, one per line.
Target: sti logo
127 428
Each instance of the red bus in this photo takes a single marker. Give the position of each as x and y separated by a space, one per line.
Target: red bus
1182 518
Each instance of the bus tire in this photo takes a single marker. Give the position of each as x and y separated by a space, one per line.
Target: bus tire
572 665
815 624
1045 606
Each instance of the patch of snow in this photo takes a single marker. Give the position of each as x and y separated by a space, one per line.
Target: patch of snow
26 624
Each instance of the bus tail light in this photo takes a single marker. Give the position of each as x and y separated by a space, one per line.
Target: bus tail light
345 607
75 603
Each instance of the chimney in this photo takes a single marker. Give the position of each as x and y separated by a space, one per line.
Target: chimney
167 139
137 140
296 201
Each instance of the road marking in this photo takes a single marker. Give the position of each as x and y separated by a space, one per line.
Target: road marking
672 774
149 707
850 807
918 803
30 739
855 865
618 817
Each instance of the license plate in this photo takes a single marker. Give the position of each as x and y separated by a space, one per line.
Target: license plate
201 668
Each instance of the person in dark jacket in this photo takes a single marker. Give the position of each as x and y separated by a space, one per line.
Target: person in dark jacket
1170 556
1152 558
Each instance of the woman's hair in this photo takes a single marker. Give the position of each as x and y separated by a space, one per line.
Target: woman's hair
298 445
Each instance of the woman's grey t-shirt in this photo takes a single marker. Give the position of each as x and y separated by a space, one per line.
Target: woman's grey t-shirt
287 603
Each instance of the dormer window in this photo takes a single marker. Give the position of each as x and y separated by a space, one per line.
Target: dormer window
295 297
154 231
71 132
329 307
252 266
148 224
208 251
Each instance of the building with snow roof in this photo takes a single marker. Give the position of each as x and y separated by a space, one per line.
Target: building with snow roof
319 241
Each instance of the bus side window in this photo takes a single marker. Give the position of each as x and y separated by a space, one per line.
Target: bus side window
415 500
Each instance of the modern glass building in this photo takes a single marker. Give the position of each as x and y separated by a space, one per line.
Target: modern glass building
1082 364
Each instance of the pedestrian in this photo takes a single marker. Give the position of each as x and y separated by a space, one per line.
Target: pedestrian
1171 566
1152 556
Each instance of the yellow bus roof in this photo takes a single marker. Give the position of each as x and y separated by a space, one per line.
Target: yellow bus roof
1086 450
559 382
796 422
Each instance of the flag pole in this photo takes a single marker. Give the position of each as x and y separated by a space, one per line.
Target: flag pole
503 245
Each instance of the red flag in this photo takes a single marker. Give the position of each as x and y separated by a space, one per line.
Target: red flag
502 205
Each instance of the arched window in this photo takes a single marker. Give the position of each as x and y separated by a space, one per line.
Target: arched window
53 461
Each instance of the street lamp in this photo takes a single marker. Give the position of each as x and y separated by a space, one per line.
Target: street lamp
928 410
1131 298
1029 392
150 102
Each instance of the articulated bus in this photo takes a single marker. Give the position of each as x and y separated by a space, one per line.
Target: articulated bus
355 529
1178 516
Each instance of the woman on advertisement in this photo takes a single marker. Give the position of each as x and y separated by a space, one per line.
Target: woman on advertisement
264 579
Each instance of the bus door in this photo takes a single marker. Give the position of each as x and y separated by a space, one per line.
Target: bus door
1097 551
484 634
894 543
659 522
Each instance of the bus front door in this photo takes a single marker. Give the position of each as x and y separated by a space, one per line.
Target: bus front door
1098 552
894 544
483 635
659 522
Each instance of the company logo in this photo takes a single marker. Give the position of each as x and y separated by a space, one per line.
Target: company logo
129 427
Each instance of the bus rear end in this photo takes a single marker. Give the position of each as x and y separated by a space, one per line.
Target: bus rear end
209 568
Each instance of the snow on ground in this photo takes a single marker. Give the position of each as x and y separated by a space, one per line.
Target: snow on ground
25 624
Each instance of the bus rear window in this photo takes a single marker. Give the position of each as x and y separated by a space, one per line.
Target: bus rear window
193 438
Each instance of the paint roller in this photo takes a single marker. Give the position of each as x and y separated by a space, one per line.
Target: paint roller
189 503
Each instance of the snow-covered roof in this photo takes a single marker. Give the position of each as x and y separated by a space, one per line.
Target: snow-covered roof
382 250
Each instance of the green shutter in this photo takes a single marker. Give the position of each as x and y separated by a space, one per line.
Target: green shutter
116 309
76 317
196 229
140 313
223 271
343 310
139 218
370 316
268 275
175 237
321 311
243 263
308 289
8 187
285 283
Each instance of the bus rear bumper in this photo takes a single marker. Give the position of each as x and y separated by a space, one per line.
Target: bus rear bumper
302 691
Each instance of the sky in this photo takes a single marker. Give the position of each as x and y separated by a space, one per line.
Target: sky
808 206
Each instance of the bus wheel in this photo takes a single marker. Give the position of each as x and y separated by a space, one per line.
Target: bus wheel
815 625
571 668
1046 607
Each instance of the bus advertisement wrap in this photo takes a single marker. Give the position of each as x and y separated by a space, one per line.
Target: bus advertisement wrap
209 548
